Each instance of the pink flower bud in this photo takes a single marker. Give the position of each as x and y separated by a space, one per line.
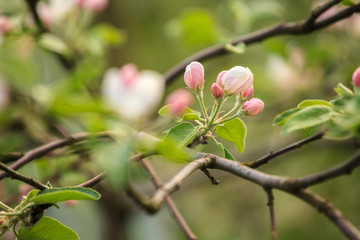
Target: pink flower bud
356 77
93 5
253 107
219 77
237 80
5 25
248 93
194 75
178 101
216 90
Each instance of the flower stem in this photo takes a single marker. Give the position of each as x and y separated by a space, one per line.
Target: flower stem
4 206
216 108
238 114
200 97
235 108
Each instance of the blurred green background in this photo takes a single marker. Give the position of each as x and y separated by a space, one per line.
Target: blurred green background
157 34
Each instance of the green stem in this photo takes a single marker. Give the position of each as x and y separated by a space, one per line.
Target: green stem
10 213
218 104
4 206
200 97
238 114
235 108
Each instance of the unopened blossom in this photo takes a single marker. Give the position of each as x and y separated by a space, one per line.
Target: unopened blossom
216 90
133 95
237 80
248 93
220 77
356 77
178 101
5 25
194 75
253 107
93 5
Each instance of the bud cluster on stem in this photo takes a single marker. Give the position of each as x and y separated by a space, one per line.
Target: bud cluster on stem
236 81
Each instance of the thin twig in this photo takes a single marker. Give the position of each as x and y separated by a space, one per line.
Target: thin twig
15 175
296 28
93 181
270 204
213 180
168 200
319 11
46 148
10 157
272 155
341 169
333 214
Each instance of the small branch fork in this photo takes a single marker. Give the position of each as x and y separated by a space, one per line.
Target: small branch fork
168 200
303 27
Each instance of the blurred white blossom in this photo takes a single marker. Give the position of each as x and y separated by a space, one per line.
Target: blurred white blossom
133 94
54 11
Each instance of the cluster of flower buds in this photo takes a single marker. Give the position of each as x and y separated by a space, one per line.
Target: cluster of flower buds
235 81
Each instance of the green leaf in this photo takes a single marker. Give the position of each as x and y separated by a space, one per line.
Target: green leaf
54 195
336 132
233 131
172 152
342 90
225 152
348 2
313 102
281 118
182 134
190 116
307 117
165 111
47 228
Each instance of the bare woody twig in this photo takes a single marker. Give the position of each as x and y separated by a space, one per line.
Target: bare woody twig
265 159
318 11
306 26
265 180
15 175
270 204
327 209
93 181
168 200
46 148
341 169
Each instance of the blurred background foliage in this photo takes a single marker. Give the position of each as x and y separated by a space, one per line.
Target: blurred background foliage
48 98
